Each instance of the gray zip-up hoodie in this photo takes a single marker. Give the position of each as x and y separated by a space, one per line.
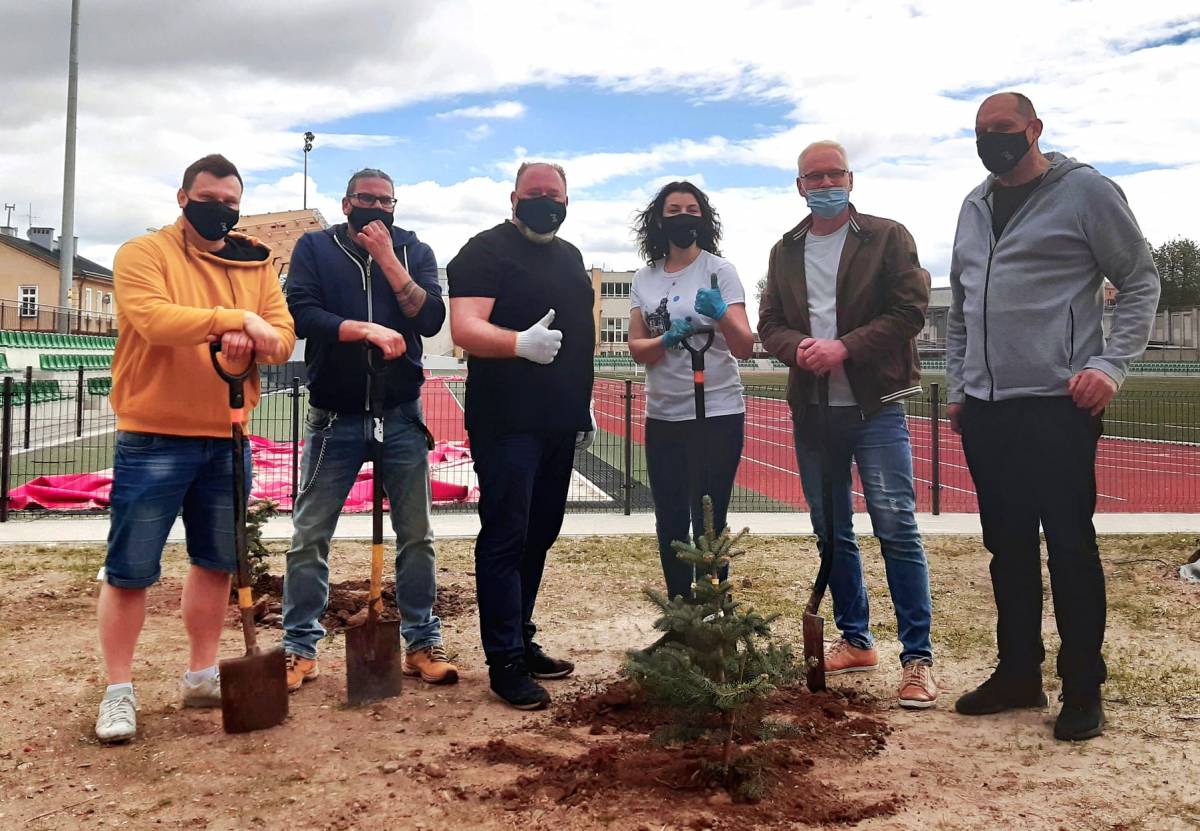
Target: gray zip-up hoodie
1027 308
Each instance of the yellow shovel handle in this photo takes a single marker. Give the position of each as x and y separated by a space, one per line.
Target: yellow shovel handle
376 595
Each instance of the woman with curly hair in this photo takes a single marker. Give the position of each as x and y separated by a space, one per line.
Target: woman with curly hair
678 234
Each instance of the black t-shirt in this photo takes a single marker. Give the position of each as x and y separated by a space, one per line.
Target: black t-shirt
527 279
1006 201
241 250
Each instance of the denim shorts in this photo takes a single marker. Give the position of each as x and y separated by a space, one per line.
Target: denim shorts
154 478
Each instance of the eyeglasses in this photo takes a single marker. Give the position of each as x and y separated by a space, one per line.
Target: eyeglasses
816 177
369 199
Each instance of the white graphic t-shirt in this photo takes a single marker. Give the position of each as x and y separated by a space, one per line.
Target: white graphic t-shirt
660 298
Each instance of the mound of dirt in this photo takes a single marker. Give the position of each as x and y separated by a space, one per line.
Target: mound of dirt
631 774
348 602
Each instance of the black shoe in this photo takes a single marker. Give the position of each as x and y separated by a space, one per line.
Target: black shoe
1081 717
1000 693
513 683
543 666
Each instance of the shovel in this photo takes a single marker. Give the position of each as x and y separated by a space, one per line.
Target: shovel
814 624
698 379
372 668
254 692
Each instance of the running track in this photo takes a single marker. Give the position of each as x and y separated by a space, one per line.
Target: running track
1132 475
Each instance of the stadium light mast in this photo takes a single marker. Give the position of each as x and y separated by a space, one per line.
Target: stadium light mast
66 252
308 140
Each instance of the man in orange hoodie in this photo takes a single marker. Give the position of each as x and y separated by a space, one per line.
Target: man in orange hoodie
178 290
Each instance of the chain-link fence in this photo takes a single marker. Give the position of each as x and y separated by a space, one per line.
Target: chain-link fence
59 431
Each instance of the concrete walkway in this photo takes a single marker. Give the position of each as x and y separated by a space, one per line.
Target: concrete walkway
460 525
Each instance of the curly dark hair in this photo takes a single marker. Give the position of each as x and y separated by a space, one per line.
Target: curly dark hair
652 239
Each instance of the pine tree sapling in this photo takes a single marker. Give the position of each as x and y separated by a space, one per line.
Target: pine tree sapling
257 514
720 657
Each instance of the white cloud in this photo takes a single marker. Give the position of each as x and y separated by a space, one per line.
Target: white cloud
501 109
479 132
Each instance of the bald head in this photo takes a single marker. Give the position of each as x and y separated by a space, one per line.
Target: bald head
1005 112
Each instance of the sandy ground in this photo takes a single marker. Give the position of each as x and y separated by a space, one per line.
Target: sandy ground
408 762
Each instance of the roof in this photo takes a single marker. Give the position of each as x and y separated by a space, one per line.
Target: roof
280 231
83 265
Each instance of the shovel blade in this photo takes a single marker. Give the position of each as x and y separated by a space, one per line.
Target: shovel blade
254 693
814 652
373 661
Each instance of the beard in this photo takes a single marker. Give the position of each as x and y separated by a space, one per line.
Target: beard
534 236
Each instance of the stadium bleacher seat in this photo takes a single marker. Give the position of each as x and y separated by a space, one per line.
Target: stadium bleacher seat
69 363
40 392
99 386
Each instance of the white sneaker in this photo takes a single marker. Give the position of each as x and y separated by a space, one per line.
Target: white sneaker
118 719
206 693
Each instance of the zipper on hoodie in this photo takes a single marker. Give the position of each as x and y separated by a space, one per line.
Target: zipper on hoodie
987 281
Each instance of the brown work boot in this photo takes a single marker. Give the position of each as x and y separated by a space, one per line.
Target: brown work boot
300 670
918 690
432 664
844 656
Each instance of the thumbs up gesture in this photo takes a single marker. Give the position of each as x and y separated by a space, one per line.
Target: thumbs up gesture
539 343
709 302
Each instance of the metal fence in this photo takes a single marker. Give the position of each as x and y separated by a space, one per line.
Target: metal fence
61 424
41 317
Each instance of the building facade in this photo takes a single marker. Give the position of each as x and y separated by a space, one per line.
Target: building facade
29 280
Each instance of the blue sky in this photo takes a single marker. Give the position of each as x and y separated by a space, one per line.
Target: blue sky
450 97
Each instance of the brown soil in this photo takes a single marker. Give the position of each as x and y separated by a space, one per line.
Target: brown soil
634 770
348 602
455 757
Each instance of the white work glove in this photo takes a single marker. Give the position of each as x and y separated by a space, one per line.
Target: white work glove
583 439
539 343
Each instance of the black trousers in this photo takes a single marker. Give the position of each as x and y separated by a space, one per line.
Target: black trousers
1034 462
524 479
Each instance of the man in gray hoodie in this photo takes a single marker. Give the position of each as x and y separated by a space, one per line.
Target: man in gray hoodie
1029 373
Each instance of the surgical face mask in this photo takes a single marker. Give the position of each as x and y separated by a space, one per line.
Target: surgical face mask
212 220
682 229
362 217
542 215
828 202
1001 152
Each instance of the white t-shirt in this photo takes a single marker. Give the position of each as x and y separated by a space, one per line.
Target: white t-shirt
822 254
660 298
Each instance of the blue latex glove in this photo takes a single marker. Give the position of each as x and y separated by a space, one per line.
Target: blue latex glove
679 330
710 304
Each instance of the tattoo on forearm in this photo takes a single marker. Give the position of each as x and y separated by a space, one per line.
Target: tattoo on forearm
411 298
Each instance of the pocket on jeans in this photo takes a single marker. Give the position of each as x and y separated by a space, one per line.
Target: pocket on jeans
135 441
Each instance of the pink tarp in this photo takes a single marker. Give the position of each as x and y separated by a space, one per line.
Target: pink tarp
272 480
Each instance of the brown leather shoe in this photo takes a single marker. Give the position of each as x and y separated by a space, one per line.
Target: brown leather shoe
432 664
844 656
300 670
918 690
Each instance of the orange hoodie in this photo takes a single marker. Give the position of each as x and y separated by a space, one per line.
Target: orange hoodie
170 297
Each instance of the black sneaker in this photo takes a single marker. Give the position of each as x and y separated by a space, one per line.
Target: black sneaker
1000 693
543 666
1081 717
513 683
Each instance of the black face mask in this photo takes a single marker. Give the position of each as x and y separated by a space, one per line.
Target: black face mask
212 220
541 215
682 229
362 217
1001 152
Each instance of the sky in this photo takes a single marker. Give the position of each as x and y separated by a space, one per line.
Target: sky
450 97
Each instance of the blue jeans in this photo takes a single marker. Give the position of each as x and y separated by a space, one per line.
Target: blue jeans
524 479
335 447
685 466
154 477
880 446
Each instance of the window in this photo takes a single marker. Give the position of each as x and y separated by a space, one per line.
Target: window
614 330
87 300
29 301
614 289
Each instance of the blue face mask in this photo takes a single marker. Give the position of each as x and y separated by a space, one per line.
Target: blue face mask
828 202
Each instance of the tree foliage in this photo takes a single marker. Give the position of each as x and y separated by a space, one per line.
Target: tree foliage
1178 263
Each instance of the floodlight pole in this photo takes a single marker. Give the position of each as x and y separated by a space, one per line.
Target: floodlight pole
308 140
66 252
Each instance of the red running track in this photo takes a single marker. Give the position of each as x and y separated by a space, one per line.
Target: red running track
1133 476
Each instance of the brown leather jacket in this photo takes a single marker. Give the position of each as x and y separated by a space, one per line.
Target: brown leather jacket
882 294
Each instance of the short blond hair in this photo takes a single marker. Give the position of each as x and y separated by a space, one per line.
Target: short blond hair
820 145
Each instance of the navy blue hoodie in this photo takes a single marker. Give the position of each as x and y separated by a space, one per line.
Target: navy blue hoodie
326 284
